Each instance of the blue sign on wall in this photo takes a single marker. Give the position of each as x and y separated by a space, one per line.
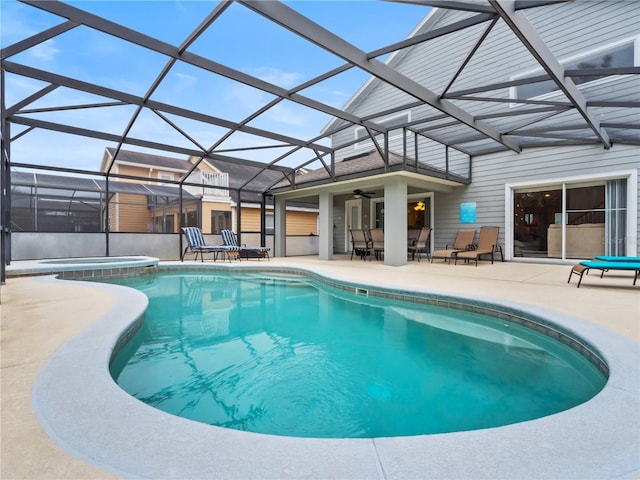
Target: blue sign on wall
468 212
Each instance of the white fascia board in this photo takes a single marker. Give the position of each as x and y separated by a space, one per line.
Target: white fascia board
147 166
214 199
269 208
301 209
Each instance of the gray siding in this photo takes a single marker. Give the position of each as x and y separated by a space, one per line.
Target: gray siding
492 172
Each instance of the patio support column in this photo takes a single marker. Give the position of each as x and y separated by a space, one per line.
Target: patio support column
395 223
325 230
280 227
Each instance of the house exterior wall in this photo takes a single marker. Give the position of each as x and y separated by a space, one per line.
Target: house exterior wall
298 222
207 208
132 214
569 30
250 219
547 165
204 166
302 223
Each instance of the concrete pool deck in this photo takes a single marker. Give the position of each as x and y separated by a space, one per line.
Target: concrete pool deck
599 439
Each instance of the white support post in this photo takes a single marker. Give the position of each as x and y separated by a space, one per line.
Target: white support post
395 223
280 228
325 221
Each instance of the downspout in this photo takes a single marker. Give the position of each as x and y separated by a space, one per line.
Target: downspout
446 161
238 217
35 203
404 149
180 223
263 219
5 194
386 151
415 148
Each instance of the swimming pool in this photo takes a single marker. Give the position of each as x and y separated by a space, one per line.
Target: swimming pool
86 413
289 355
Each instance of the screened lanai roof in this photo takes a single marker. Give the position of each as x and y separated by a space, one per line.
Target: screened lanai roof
47 183
82 76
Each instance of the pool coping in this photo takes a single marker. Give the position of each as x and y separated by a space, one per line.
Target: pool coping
108 428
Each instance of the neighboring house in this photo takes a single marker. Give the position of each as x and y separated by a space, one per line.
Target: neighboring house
215 191
564 195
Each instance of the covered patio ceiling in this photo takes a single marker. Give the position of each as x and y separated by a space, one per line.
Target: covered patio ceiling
451 116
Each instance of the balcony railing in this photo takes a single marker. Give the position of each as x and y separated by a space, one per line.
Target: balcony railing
209 181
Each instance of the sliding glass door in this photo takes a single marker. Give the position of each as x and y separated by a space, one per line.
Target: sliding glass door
570 220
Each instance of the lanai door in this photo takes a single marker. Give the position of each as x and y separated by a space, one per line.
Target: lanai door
353 219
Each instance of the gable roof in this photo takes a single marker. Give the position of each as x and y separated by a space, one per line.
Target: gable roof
252 180
247 176
147 159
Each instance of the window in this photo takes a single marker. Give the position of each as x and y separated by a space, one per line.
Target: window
165 176
220 220
572 220
269 222
362 135
419 214
379 215
164 224
190 219
620 55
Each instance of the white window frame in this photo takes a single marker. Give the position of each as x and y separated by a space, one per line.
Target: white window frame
366 140
572 59
165 176
632 208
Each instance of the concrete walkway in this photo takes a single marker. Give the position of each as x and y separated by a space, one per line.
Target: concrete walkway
38 318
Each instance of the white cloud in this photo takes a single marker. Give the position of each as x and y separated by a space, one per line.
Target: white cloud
282 114
45 52
278 77
250 98
185 82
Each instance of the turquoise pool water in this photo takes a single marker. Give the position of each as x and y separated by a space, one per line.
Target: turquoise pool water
291 356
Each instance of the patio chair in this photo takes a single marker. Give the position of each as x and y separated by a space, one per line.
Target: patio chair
422 244
360 244
377 242
229 238
462 243
196 244
487 245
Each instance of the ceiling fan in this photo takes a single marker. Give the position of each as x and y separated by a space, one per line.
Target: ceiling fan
357 193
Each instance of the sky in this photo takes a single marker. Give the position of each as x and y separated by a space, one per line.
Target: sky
240 39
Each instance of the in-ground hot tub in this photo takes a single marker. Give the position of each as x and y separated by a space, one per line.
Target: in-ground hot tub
86 268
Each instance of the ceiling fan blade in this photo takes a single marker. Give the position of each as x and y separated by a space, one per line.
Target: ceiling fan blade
359 193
